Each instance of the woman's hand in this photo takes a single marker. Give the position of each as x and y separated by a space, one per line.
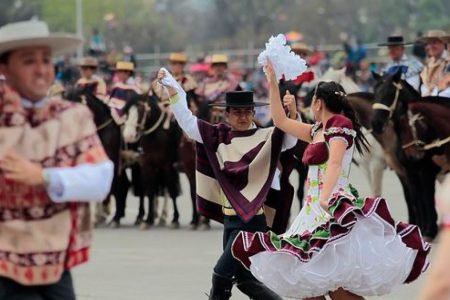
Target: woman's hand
291 104
270 73
324 204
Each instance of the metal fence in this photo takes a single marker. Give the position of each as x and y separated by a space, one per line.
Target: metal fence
246 58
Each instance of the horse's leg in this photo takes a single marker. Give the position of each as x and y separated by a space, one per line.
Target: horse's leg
164 209
428 180
409 198
364 164
176 215
141 211
195 214
150 220
172 183
102 211
120 194
377 175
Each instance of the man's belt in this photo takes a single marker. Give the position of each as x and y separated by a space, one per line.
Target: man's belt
228 211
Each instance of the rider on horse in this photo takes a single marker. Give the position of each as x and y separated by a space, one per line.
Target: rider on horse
90 81
123 90
177 62
411 67
437 67
213 88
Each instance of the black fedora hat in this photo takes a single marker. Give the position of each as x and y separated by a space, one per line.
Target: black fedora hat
239 99
395 40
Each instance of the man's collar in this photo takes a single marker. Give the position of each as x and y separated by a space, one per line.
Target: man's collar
252 126
34 104
402 58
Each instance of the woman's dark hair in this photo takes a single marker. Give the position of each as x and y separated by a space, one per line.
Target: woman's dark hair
335 99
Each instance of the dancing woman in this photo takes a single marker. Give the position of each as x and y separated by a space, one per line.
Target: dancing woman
339 244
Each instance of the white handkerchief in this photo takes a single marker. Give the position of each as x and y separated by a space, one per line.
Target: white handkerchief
168 80
285 62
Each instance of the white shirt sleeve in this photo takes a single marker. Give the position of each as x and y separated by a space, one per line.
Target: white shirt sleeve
185 118
414 81
82 183
178 104
445 93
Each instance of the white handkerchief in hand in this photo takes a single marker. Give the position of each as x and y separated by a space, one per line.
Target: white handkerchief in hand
168 80
284 61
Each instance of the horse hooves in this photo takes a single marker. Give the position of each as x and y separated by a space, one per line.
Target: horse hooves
114 224
162 223
204 227
175 225
138 221
193 226
144 226
99 221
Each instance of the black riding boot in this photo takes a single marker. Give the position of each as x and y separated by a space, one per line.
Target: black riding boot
221 288
257 291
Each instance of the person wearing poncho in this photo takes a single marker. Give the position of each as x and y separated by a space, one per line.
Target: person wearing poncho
339 244
89 81
51 164
236 168
122 91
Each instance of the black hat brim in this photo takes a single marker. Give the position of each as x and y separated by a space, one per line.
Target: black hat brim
395 44
253 104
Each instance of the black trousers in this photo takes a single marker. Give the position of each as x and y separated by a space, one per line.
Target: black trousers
227 266
62 290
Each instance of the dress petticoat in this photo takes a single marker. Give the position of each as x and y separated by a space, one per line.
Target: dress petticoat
360 249
356 245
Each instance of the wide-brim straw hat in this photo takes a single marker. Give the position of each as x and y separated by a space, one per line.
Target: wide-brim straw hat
88 61
301 48
178 57
435 34
219 59
35 33
124 66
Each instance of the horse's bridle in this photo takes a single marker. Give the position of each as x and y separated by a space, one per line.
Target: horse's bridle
141 125
412 119
105 124
390 109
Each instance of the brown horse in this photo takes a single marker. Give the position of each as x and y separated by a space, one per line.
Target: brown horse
109 133
187 155
429 120
159 153
392 98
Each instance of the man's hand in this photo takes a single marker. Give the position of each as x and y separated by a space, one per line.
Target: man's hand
291 104
21 170
444 83
171 90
